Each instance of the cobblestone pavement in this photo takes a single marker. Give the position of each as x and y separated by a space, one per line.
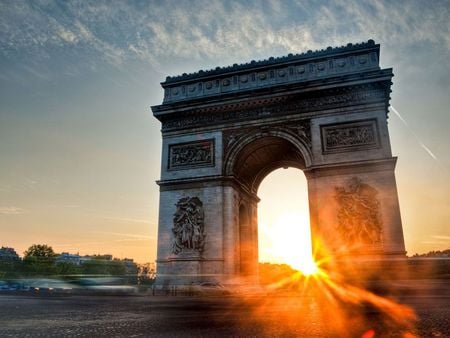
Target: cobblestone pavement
180 316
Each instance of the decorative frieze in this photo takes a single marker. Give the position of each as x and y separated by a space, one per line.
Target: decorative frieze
191 154
358 213
335 99
352 136
188 226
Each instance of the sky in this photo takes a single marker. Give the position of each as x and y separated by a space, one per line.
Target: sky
80 150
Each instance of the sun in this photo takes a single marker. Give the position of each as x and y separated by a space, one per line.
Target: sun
288 240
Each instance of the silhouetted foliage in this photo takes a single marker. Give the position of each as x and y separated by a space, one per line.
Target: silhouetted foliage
42 251
431 254
146 274
67 269
12 269
103 267
39 260
10 263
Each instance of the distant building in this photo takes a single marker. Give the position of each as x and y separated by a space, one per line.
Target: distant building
8 255
106 257
66 257
130 265
80 260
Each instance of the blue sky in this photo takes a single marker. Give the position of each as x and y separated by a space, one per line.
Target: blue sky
80 150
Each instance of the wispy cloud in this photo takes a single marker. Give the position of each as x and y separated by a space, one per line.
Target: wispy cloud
208 30
442 237
30 183
126 236
11 211
438 240
127 219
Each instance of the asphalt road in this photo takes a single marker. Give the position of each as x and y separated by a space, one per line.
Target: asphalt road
414 311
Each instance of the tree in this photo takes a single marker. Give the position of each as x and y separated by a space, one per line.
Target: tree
10 263
146 274
67 268
98 266
95 267
39 259
40 251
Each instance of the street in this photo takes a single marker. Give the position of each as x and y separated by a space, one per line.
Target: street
273 315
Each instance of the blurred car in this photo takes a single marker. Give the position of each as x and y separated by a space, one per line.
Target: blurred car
13 286
4 285
210 289
105 285
49 285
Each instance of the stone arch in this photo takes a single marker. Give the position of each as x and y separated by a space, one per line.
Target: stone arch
271 149
224 130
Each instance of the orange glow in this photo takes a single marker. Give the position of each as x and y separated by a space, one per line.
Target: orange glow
328 290
343 308
288 241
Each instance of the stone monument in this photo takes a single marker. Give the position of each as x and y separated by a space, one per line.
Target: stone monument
224 130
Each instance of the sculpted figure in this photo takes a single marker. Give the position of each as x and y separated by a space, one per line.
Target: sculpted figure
188 225
358 213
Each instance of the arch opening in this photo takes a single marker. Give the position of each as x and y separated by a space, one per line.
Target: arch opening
284 232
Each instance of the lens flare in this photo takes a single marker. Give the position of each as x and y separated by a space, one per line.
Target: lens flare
308 267
288 241
336 299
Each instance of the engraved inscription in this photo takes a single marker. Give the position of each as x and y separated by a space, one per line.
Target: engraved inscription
192 154
349 136
358 214
188 226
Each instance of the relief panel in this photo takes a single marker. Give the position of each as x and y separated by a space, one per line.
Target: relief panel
191 155
188 226
358 213
352 136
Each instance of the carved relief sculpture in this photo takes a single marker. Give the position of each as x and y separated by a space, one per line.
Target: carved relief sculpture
358 213
188 225
331 99
192 154
300 129
349 136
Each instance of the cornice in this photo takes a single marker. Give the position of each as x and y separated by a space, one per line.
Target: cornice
205 181
345 168
272 61
255 75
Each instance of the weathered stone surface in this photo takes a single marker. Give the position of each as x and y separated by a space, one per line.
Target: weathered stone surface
224 130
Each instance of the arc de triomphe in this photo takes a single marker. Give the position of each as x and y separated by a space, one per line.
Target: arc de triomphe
224 130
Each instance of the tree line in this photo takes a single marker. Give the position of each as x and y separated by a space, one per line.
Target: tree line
40 260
